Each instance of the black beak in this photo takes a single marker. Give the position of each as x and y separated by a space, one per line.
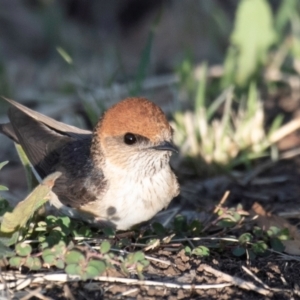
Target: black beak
166 146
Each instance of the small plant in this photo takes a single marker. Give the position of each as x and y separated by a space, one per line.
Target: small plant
235 138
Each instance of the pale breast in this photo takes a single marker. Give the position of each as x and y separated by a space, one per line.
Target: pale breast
129 201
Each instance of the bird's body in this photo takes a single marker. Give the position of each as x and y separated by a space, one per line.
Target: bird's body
119 173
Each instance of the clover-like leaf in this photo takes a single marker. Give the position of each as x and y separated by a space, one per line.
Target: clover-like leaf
201 251
16 261
59 248
277 245
72 269
258 232
23 249
273 231
59 263
90 272
94 268
260 247
138 256
33 263
238 251
105 247
245 238
109 232
48 256
74 257
98 264
188 250
145 263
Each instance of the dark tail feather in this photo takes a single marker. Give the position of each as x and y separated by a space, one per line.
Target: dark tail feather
8 130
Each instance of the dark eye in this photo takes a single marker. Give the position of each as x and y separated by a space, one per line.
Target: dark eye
130 139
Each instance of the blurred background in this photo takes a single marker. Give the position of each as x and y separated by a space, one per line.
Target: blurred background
106 40
226 72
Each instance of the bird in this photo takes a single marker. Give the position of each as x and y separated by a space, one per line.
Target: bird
119 174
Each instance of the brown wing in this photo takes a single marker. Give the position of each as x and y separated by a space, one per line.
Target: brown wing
41 144
54 146
49 122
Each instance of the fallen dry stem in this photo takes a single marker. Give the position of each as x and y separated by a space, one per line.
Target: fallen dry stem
61 277
243 284
284 131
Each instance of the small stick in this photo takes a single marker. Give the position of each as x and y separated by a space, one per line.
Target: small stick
255 277
243 284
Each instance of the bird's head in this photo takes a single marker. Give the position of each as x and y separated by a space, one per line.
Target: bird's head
135 134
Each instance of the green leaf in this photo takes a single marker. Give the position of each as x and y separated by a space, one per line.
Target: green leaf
48 256
238 251
91 272
8 241
258 232
59 264
277 245
3 188
72 269
201 91
253 35
245 238
226 223
2 164
16 261
195 227
24 209
105 247
259 247
98 265
273 231
59 248
180 223
4 206
138 256
109 232
201 251
5 251
284 14
145 262
159 229
33 263
65 221
74 257
139 267
83 231
31 180
187 250
23 249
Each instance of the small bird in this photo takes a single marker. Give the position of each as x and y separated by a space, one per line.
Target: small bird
118 174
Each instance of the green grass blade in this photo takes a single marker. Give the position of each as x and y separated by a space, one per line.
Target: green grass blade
145 57
201 91
31 181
